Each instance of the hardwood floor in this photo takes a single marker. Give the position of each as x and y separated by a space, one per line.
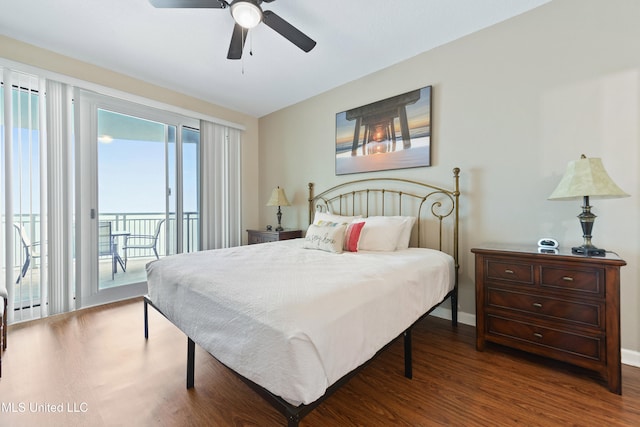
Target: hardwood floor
96 367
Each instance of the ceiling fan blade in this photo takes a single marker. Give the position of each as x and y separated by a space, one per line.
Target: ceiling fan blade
287 31
238 38
190 4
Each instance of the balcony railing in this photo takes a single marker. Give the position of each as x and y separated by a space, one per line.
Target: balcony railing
27 292
145 224
134 223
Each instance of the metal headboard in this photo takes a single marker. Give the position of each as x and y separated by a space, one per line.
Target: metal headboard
390 196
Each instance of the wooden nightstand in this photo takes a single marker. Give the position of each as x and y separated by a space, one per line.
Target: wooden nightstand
562 306
263 236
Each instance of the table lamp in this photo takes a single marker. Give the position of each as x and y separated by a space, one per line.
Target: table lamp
586 178
278 198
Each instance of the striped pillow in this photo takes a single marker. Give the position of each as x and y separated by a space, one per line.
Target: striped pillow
352 236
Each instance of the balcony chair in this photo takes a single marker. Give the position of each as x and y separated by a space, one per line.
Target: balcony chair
142 241
107 245
30 251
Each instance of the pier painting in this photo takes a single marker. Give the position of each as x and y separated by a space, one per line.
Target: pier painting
394 133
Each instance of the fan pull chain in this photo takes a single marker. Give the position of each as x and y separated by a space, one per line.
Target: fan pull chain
250 35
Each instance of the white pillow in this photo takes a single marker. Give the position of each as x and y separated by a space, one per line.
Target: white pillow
381 233
405 234
329 238
340 219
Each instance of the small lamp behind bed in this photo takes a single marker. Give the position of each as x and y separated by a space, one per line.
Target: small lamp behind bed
278 198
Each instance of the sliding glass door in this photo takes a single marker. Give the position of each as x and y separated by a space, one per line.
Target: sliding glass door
135 201
139 201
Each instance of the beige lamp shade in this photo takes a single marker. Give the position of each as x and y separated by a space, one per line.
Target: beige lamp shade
278 198
586 177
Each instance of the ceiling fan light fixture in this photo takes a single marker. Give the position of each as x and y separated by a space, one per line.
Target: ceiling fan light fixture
247 14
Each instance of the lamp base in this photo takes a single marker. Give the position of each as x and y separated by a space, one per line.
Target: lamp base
279 215
588 251
586 222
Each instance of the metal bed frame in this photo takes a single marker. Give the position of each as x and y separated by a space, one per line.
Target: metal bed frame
441 203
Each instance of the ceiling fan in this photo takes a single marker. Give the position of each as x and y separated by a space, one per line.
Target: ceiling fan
246 14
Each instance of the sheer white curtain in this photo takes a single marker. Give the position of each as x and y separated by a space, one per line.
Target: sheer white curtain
220 198
37 195
59 203
21 149
7 234
21 207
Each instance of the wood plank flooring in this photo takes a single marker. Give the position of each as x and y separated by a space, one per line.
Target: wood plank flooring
96 368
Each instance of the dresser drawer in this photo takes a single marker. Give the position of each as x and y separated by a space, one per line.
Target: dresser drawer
262 238
585 281
543 340
509 271
265 236
578 312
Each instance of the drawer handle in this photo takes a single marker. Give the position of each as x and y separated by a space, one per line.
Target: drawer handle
537 335
537 305
567 279
509 271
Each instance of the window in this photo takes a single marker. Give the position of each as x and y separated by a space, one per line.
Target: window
73 160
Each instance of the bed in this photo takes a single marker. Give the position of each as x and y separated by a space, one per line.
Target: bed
296 319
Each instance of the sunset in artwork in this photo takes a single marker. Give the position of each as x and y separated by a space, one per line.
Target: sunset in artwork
394 133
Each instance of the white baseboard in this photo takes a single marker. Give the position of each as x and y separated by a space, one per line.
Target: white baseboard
464 318
629 357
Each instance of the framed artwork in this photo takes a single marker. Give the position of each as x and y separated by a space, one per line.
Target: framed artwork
394 133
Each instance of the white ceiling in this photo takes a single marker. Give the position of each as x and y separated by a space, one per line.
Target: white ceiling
186 49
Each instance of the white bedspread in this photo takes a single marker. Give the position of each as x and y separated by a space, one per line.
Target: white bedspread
295 320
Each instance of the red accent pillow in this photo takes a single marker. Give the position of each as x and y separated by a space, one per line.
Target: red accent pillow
352 236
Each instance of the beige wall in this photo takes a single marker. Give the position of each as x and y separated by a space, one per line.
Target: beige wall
512 105
30 55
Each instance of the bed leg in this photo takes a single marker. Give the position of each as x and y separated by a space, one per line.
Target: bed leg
146 319
454 308
293 420
191 353
408 365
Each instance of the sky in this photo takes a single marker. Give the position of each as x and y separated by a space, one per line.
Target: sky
131 175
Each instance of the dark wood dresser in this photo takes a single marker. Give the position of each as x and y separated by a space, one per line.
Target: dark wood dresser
562 306
264 236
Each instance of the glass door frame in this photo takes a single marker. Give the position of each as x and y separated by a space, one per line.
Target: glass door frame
86 131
